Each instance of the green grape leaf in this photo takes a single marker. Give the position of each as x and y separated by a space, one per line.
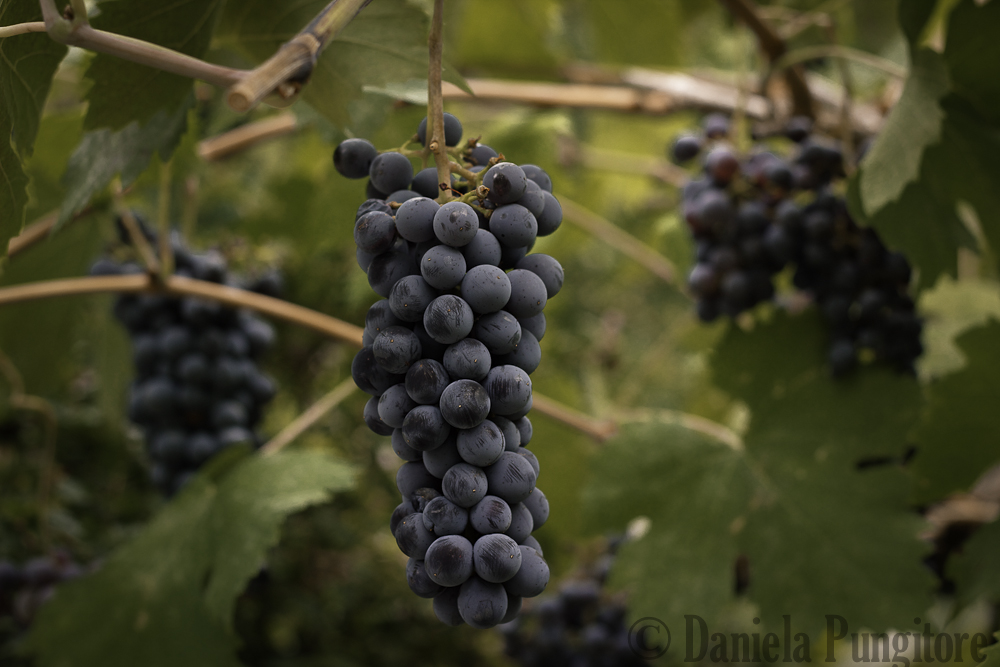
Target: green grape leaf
975 569
27 64
913 16
104 154
386 43
913 124
166 597
951 308
794 501
13 187
692 490
123 91
956 440
973 55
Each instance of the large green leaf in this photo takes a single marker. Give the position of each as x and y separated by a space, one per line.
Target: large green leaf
124 92
166 598
27 64
693 490
957 438
975 569
104 154
794 501
386 43
913 124
973 55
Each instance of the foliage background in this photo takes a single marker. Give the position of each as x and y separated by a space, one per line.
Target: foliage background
820 534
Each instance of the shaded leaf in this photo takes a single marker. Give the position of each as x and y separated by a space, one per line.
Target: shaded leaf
104 154
794 501
975 569
27 64
123 91
913 124
973 55
956 441
13 187
692 489
166 597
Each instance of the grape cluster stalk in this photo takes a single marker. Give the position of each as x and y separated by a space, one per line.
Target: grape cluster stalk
198 388
752 216
580 626
448 355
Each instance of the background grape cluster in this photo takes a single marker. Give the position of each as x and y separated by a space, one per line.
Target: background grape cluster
581 626
197 387
752 216
24 588
448 353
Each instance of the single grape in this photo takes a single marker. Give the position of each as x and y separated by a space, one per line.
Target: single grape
538 505
513 225
535 324
551 217
445 517
395 349
449 560
547 268
353 157
527 354
482 604
538 175
506 182
373 420
531 578
530 541
486 289
533 200
452 130
513 477
499 332
409 298
448 319
425 380
415 219
490 515
393 406
456 224
446 607
443 267
419 581
521 523
496 557
390 172
509 389
403 450
385 269
483 249
511 435
481 154
411 476
464 485
370 377
412 537
424 428
469 359
685 149
464 404
481 445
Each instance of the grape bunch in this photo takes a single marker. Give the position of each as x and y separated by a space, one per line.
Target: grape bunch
447 358
23 589
578 627
753 216
197 388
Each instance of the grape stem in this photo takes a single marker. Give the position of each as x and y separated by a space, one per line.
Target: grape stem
307 419
435 103
135 232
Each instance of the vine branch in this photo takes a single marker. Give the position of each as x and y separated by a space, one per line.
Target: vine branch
307 419
22 28
774 48
435 103
287 70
